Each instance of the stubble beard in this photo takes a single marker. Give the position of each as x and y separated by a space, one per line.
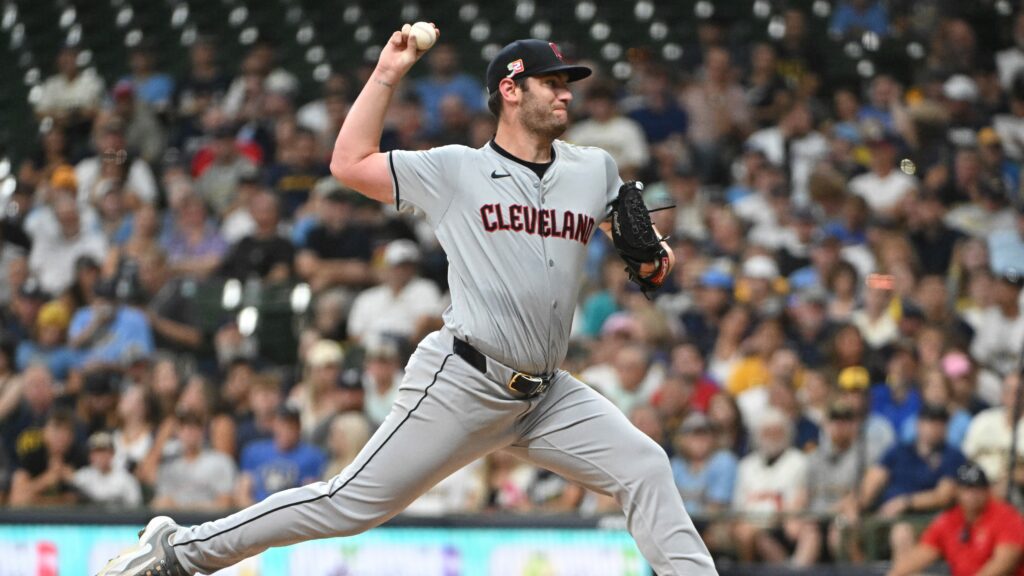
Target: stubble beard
540 120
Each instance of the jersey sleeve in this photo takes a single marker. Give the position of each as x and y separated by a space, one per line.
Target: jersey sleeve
612 182
423 181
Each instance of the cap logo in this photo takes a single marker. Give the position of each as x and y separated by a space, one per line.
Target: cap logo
558 53
515 67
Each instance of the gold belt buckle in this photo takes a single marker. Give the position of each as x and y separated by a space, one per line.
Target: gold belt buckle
526 384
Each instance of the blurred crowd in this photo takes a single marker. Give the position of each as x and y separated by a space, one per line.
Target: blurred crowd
842 333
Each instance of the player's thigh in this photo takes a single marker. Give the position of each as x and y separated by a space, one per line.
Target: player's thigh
436 426
581 435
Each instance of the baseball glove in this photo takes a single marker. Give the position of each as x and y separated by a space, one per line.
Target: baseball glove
635 239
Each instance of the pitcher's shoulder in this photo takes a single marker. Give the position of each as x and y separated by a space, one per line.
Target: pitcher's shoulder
581 153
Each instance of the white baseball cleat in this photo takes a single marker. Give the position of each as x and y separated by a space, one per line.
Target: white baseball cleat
152 556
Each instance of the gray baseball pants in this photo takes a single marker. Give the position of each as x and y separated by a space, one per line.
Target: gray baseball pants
447 415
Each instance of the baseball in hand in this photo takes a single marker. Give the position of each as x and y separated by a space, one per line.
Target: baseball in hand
423 34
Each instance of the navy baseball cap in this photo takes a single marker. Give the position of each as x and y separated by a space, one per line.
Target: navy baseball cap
530 57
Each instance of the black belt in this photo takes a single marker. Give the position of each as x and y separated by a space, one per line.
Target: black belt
520 383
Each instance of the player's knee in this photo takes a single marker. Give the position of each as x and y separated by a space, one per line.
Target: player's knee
648 463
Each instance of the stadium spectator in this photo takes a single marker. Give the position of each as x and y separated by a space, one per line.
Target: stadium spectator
221 169
133 437
45 472
54 252
605 127
980 535
284 461
301 164
704 474
627 379
834 471
316 396
27 402
937 391
113 159
917 477
718 110
656 110
254 414
793 145
446 78
264 254
197 478
203 79
771 485
382 376
72 96
989 435
854 383
143 132
999 333
165 299
107 333
103 481
154 88
349 433
48 345
767 92
399 305
885 187
854 17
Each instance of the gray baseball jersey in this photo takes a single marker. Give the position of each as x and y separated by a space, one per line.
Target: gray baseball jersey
516 243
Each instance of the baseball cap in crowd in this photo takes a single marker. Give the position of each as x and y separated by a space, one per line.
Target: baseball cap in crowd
854 379
760 266
971 475
956 364
960 88
621 323
987 136
715 278
933 412
53 314
695 422
401 252
101 441
63 177
530 57
124 89
323 353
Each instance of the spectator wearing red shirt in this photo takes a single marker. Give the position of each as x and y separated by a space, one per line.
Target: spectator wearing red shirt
980 536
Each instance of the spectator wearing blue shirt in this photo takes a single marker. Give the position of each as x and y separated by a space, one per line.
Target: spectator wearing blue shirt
704 475
48 345
857 16
154 88
936 390
913 478
445 79
657 112
897 399
108 333
283 462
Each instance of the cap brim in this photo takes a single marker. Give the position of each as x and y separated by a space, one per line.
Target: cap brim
575 72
